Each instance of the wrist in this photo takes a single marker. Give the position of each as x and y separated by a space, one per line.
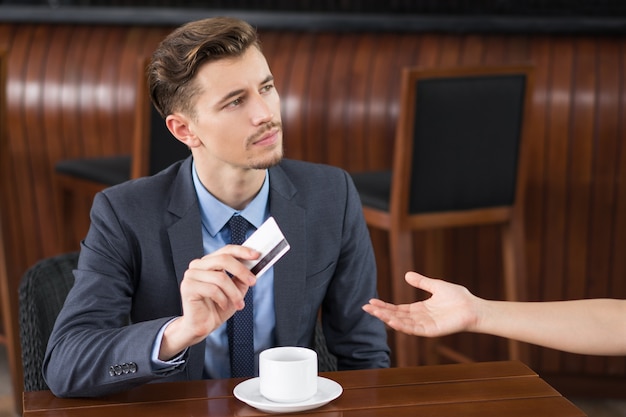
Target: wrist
173 341
479 315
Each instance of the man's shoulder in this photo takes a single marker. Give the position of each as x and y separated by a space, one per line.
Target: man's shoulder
156 185
295 167
310 181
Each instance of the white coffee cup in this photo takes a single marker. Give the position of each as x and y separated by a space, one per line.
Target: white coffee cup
288 374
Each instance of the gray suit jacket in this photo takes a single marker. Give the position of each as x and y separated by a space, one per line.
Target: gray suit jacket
142 237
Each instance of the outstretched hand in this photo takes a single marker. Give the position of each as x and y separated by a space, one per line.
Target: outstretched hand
450 309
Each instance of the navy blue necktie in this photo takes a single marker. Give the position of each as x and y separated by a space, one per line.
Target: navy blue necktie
240 327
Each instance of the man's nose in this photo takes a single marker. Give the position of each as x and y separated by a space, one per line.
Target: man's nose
261 111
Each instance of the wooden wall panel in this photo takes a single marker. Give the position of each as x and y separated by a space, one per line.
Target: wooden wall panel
70 94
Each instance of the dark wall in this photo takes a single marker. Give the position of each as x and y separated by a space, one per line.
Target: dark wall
424 7
499 16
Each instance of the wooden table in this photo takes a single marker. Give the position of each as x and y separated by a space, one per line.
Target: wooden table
477 389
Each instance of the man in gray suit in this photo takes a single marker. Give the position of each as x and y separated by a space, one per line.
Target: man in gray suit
157 280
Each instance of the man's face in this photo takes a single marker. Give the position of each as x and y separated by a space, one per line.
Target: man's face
238 113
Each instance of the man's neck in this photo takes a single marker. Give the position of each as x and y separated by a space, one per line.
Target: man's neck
235 187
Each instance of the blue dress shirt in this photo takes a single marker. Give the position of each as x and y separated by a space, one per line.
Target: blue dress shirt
215 234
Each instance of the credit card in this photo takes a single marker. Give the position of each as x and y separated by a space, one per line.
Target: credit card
270 242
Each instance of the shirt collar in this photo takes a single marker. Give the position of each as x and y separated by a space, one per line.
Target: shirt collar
216 214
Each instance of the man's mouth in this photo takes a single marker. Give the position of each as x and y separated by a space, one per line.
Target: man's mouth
267 136
270 136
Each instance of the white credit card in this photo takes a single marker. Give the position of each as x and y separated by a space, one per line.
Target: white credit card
269 240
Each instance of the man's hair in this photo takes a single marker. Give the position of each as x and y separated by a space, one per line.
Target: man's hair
178 57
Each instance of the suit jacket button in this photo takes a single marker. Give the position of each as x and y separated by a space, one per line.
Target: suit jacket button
132 367
118 370
125 368
111 371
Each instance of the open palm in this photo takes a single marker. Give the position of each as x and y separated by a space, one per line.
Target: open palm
448 310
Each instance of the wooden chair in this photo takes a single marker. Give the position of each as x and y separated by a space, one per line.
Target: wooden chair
456 163
154 148
3 144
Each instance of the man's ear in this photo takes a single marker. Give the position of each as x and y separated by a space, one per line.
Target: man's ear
178 124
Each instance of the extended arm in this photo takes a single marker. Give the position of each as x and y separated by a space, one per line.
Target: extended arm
593 326
122 297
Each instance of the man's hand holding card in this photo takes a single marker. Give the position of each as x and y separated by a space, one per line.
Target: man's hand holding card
270 242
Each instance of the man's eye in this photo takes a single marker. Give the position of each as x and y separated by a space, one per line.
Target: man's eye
267 88
235 102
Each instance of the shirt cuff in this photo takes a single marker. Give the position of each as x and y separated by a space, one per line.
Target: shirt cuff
169 365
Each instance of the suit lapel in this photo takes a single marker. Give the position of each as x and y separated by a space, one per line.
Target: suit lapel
290 270
185 232
185 235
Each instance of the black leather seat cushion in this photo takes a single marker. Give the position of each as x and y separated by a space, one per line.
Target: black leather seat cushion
110 170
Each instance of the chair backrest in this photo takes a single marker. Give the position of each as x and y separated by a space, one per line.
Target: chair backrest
154 147
458 138
42 292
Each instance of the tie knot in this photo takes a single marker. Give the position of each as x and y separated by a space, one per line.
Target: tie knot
238 228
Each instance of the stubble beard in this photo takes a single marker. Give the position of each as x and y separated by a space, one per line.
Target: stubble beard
273 159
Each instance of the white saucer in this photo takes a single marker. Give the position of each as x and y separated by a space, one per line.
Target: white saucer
248 392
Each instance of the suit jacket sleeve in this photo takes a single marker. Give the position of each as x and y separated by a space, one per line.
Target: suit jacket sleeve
357 339
125 290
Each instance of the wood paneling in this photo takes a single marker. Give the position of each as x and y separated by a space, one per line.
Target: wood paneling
70 93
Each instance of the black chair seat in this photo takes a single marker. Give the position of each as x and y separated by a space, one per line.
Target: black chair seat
109 171
374 188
